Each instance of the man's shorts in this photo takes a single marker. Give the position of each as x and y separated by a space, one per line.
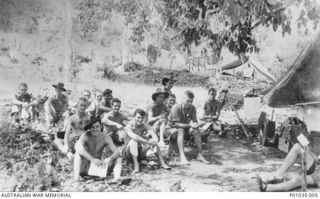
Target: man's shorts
85 165
170 131
312 168
126 154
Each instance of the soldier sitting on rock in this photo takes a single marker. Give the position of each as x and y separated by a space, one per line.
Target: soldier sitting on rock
158 113
89 151
114 123
56 106
74 128
211 113
140 139
23 105
183 125
97 107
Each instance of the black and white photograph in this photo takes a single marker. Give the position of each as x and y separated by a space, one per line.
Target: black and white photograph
216 96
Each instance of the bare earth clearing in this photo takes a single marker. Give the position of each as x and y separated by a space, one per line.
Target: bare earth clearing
241 159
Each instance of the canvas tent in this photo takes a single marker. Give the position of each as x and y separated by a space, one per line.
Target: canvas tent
301 84
236 63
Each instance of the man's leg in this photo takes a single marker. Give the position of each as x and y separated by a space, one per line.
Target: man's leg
290 185
198 143
116 165
133 150
60 145
179 135
160 158
294 156
77 161
161 133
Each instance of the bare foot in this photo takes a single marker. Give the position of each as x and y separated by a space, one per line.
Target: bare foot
166 167
184 162
201 158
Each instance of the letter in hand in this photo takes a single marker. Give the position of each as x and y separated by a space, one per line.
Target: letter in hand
105 163
97 162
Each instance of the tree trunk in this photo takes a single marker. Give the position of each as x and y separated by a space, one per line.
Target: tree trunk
67 41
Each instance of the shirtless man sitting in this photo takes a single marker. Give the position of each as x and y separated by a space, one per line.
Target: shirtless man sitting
183 124
23 105
97 108
139 140
158 113
56 105
211 113
114 123
277 183
74 128
89 150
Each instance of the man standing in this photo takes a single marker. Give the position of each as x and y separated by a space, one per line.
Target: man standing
89 150
56 105
183 125
114 122
139 140
74 125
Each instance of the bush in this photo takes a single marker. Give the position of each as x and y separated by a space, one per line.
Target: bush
108 72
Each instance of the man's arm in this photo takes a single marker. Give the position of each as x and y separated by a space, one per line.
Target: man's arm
66 136
107 121
103 108
15 101
48 107
180 125
136 137
113 148
91 107
153 118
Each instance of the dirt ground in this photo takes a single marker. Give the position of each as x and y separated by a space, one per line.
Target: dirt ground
241 159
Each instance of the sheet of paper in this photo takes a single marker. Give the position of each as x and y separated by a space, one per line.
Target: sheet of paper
94 170
206 126
303 140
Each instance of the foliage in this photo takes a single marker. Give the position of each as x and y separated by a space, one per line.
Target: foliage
92 12
24 153
220 23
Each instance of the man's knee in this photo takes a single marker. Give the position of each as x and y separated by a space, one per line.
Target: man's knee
297 148
133 147
180 132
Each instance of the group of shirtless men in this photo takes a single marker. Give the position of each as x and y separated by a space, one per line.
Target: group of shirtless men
91 125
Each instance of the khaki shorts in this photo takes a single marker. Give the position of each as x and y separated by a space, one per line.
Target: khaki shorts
135 148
